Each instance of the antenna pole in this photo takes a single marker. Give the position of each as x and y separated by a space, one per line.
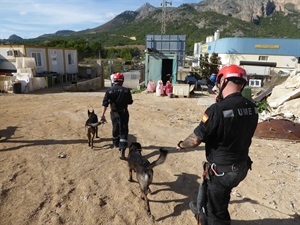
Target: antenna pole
164 15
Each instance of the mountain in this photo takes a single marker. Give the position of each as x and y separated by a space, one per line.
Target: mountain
122 19
251 18
249 10
15 38
59 33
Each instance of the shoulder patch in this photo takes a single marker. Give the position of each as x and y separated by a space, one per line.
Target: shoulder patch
204 118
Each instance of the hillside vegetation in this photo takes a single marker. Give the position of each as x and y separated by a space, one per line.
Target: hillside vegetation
185 20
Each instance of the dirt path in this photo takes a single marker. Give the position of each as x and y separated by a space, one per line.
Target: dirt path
90 186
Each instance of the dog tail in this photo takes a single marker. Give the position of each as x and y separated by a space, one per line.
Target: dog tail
161 159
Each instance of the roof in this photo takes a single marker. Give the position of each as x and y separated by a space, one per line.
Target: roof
261 46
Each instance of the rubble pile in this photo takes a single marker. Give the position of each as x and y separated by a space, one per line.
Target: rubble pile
284 100
282 120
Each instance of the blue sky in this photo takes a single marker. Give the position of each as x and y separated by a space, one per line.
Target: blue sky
32 18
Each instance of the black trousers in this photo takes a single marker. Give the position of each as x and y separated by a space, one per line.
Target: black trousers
120 129
218 195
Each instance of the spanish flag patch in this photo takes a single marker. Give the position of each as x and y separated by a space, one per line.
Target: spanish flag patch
204 118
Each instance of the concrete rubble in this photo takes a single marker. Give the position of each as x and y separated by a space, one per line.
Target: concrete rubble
283 118
284 100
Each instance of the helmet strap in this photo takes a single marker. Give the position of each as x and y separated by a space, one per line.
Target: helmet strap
220 96
242 87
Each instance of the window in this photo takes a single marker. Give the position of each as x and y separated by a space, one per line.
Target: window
12 53
298 60
71 59
38 58
263 58
254 83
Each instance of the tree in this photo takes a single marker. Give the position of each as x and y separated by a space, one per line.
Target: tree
112 53
215 61
125 54
204 65
209 65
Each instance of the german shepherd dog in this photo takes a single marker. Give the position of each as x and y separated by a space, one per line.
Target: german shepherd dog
143 169
92 124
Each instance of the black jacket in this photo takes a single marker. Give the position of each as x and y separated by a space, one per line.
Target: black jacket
227 128
118 97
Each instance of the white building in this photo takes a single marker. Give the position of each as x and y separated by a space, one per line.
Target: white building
61 61
256 55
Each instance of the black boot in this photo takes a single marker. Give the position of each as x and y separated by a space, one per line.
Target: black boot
116 142
122 154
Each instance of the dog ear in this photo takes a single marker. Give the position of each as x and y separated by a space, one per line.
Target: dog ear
137 146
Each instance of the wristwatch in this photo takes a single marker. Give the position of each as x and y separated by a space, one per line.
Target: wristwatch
178 145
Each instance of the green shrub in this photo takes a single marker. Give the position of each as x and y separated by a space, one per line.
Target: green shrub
263 106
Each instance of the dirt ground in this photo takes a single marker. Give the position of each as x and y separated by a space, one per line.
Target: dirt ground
89 186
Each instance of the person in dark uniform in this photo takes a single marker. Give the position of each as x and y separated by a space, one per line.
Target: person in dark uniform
118 97
226 128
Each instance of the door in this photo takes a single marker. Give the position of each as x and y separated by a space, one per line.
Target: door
154 68
167 70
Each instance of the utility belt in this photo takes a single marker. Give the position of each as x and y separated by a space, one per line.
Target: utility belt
115 109
119 111
212 169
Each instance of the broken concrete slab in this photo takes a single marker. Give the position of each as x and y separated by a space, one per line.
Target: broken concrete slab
286 97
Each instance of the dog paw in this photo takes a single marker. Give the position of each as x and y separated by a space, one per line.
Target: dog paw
150 215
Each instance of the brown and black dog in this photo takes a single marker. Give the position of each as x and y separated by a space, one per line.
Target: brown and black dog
92 124
143 169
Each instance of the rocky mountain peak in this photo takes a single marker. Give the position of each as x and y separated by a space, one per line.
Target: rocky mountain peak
145 7
145 10
250 10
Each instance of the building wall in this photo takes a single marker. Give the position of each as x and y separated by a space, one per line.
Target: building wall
71 61
283 62
7 61
87 72
168 44
154 66
42 65
268 46
63 61
284 52
56 56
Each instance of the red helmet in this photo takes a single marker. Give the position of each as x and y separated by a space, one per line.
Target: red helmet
118 78
232 72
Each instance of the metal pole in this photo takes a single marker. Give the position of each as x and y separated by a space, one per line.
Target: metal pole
164 15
